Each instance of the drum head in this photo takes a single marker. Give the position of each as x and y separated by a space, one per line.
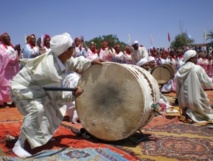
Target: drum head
163 73
170 67
112 103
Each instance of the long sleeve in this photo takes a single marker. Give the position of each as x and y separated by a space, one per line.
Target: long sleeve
204 78
79 64
30 53
14 58
4 59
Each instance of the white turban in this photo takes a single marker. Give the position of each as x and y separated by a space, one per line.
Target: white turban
189 54
135 42
142 62
60 43
151 58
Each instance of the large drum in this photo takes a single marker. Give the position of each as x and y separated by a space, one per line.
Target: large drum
163 73
117 100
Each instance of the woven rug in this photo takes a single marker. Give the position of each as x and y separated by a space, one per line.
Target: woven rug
66 146
175 141
182 128
173 148
77 154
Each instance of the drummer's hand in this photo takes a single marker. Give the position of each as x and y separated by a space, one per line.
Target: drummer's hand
78 92
97 61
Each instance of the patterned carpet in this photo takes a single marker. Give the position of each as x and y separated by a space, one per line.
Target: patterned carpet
165 139
77 154
181 148
175 141
181 128
66 146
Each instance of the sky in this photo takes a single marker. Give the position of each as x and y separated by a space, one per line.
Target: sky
148 21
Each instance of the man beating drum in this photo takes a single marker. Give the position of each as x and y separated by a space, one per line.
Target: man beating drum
43 110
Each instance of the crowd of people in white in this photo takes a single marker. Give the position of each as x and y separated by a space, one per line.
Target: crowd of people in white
130 54
23 72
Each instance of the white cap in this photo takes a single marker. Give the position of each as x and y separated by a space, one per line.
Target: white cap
135 42
60 43
142 62
151 58
189 54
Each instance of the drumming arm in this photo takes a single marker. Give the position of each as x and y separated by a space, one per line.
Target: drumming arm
70 81
79 64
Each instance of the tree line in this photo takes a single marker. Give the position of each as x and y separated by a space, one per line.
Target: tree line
179 41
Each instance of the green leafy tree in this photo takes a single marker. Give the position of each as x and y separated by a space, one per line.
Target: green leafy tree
111 39
182 40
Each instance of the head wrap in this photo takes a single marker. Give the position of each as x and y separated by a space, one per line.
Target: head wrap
46 36
30 36
142 62
92 43
29 40
60 43
135 42
151 58
3 34
77 39
189 54
3 41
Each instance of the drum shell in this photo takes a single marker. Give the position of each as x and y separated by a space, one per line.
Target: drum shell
126 109
163 73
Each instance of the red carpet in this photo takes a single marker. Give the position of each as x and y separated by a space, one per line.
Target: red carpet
176 141
64 138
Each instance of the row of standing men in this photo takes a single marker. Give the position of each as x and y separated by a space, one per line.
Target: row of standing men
131 55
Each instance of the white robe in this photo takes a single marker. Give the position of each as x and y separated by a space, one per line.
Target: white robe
71 81
189 79
90 55
29 52
43 110
139 54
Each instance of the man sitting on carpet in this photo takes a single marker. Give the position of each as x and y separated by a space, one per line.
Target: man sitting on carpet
143 63
43 110
190 79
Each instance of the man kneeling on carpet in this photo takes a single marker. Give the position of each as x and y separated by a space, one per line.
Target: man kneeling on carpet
190 79
43 110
